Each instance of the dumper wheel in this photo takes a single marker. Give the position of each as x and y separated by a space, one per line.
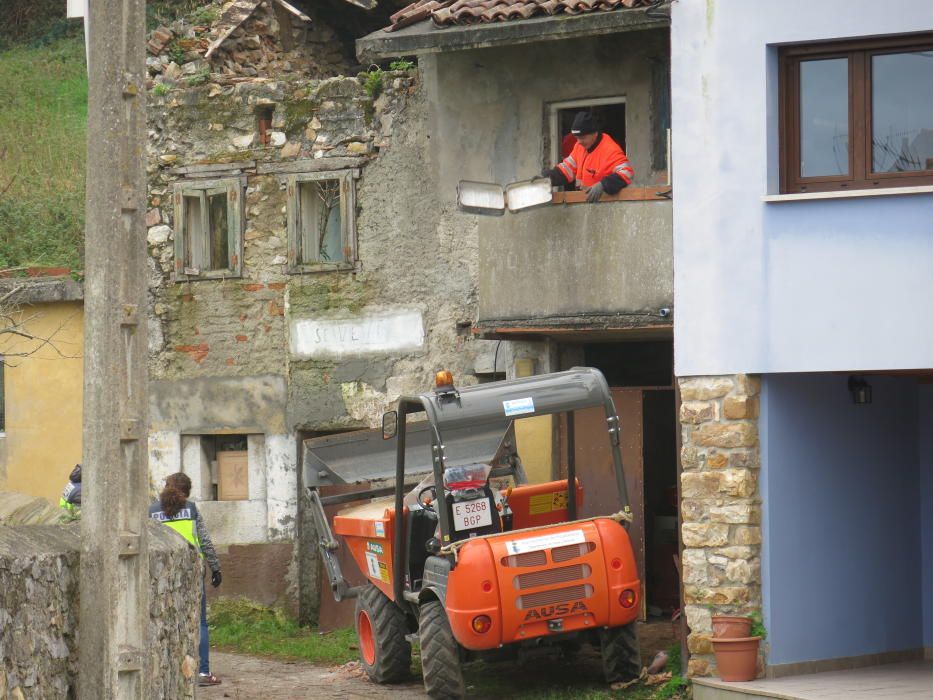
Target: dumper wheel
440 654
621 653
381 630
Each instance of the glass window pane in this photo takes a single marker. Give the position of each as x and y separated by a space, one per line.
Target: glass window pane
220 259
320 222
824 117
902 112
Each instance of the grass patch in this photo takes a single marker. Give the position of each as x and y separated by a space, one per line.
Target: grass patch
43 118
240 625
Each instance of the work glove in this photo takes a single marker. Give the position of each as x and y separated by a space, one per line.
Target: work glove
555 176
215 578
595 192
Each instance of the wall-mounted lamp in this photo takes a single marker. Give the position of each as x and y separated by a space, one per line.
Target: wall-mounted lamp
860 390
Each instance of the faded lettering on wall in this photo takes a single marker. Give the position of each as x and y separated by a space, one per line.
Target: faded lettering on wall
371 333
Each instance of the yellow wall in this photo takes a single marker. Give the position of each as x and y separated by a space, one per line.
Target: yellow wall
43 397
534 436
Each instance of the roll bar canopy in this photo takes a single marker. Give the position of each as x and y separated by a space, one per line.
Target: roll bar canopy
577 388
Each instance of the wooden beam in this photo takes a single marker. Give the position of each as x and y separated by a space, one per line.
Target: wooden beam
294 10
232 18
629 194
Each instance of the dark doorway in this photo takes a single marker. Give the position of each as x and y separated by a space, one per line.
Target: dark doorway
640 375
660 464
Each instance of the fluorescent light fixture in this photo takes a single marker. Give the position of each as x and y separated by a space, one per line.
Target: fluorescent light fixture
528 193
481 197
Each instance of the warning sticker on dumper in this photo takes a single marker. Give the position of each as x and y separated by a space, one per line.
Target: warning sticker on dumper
375 568
536 544
547 503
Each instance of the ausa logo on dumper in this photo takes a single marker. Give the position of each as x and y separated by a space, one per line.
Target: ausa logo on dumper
555 611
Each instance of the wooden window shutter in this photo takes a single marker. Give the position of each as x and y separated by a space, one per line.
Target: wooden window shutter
235 227
179 203
292 223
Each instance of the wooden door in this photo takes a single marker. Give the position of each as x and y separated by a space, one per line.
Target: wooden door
594 466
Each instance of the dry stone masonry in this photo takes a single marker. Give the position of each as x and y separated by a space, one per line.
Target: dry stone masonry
39 603
720 506
265 43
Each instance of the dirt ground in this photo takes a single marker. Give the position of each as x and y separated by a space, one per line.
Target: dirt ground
249 677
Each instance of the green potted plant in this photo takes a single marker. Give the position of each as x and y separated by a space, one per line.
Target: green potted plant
737 657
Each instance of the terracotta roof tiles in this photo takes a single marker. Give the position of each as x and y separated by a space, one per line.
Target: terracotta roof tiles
446 13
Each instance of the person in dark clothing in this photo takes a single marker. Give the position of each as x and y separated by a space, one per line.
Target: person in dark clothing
175 510
597 164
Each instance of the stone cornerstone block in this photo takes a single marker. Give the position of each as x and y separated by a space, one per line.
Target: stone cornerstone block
704 388
699 484
705 535
743 434
697 411
738 407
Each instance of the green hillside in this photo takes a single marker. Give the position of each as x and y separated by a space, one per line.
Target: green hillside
43 112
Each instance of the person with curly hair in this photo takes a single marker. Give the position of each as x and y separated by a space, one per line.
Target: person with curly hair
176 510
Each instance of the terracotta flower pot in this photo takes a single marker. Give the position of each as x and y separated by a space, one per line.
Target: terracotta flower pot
737 659
731 626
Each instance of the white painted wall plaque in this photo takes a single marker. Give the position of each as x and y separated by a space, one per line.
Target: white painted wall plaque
367 334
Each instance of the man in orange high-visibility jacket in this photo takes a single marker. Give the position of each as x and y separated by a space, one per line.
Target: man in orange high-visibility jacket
597 163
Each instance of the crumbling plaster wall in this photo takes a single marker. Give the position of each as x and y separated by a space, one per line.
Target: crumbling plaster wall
219 349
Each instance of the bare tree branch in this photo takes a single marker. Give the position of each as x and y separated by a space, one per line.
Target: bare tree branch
15 327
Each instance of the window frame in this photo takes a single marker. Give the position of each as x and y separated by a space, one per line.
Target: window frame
235 189
859 54
347 179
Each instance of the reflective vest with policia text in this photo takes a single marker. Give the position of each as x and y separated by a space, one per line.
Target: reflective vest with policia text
184 522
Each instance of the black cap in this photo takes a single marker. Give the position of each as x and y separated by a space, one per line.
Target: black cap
583 123
75 476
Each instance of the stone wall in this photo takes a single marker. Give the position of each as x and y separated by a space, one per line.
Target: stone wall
39 604
720 505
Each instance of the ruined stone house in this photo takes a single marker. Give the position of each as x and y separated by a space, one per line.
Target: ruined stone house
309 262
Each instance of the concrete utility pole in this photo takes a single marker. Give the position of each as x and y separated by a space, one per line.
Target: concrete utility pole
114 659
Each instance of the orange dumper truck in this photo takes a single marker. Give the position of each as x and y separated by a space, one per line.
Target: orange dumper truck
473 560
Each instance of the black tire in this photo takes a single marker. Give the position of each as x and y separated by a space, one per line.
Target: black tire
388 651
440 654
620 652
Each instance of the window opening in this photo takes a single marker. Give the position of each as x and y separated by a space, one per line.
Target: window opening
321 221
264 124
227 458
208 229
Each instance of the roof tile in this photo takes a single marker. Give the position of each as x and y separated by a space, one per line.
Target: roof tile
446 13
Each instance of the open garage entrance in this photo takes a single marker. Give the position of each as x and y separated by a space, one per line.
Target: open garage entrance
847 489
